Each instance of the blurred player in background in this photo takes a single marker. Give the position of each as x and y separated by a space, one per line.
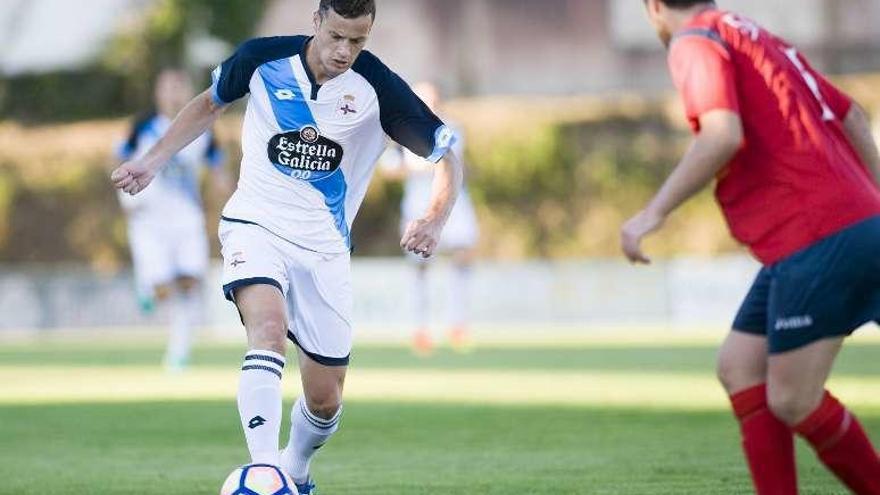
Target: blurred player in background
796 171
166 224
876 121
459 237
315 126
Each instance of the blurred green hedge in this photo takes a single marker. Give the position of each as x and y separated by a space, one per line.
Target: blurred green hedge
557 188
564 189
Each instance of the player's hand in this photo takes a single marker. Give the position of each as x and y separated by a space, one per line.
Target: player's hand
421 237
132 177
634 230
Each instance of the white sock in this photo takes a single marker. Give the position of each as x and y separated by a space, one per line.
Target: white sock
458 296
259 404
308 433
186 312
421 305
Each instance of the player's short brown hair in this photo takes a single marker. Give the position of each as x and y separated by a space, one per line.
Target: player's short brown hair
349 9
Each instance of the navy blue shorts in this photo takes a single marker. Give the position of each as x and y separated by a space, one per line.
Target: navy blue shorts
826 290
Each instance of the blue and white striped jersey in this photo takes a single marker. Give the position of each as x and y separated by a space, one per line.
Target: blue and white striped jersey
309 151
176 187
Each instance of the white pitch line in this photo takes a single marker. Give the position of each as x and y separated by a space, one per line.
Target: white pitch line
594 389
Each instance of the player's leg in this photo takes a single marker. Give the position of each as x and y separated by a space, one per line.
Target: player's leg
822 294
767 442
321 302
153 264
186 312
459 299
742 361
163 295
422 342
798 397
255 280
796 379
162 292
154 255
314 417
191 261
460 236
264 314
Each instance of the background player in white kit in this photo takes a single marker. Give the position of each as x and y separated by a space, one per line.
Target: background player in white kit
166 223
316 123
876 125
459 237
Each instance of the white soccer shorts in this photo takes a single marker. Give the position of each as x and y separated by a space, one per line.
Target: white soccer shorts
164 251
460 232
316 287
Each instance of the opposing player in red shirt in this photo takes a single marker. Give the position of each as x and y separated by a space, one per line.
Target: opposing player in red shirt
797 171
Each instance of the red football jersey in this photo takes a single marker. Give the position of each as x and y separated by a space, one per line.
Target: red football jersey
796 179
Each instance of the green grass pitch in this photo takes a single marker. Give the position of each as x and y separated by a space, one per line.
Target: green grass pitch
595 418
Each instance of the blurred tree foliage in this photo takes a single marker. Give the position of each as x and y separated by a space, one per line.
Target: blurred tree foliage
120 82
64 96
159 38
564 189
558 189
562 185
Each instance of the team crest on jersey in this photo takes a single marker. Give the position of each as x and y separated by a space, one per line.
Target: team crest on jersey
237 259
305 154
346 106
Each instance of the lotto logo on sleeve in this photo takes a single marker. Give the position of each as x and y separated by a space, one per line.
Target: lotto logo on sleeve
285 94
445 137
305 154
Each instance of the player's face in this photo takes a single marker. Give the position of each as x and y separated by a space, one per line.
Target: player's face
657 15
338 41
173 91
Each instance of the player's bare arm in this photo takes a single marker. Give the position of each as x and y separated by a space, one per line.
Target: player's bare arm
720 137
858 129
196 118
421 236
222 183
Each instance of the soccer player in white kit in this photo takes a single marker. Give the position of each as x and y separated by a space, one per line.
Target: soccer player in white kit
876 126
459 237
166 224
316 123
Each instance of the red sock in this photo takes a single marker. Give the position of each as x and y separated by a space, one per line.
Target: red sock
767 442
843 446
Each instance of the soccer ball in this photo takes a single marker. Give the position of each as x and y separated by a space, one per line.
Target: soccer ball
258 479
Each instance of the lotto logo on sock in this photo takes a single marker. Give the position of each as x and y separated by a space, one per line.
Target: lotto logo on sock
256 422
